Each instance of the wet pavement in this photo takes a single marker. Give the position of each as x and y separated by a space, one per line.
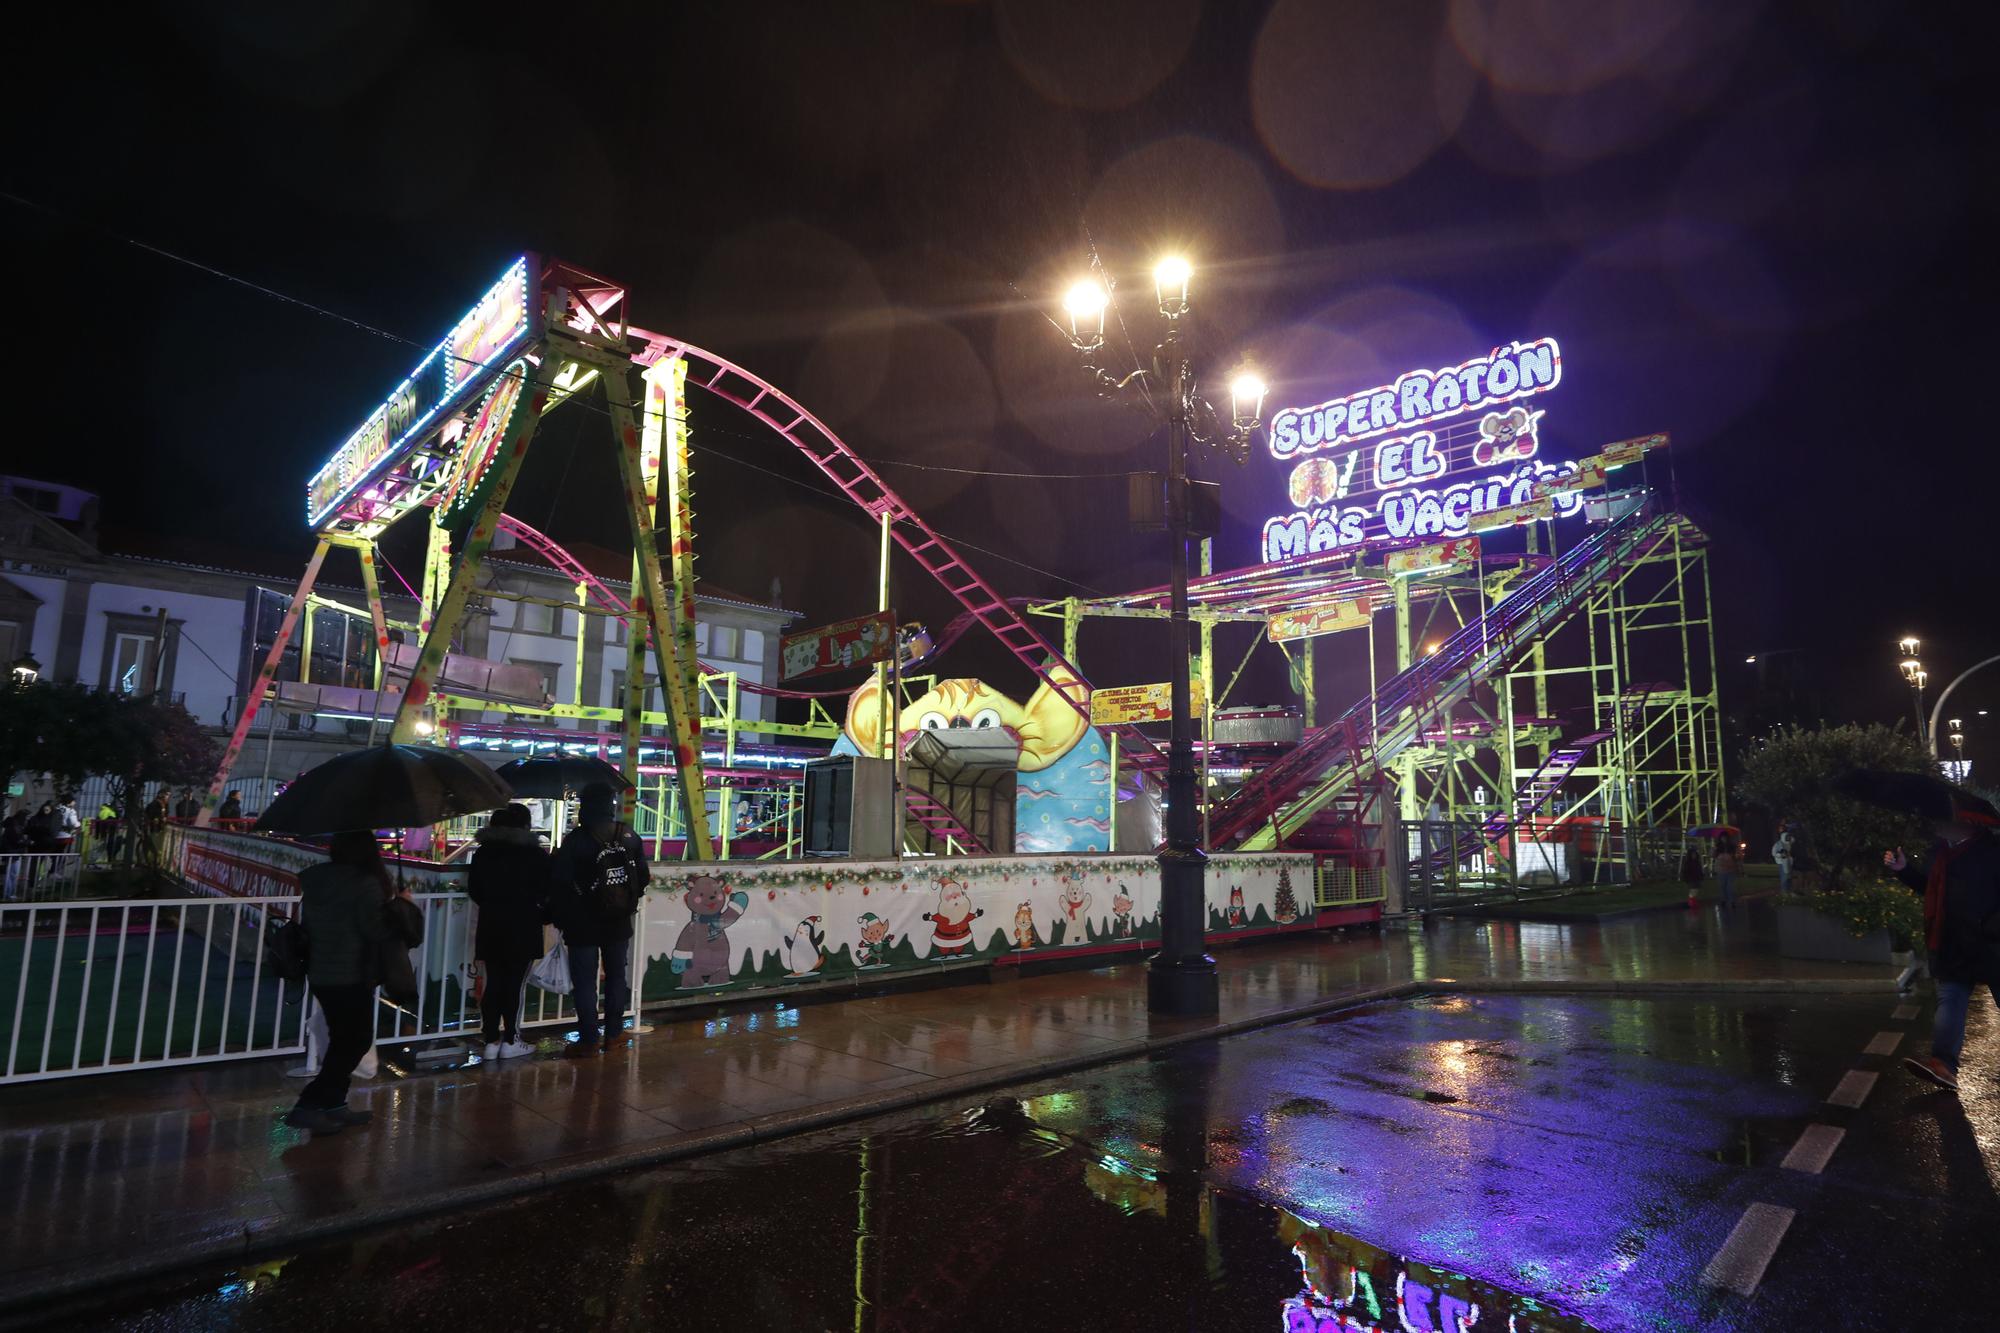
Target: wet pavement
1449 1163
102 1177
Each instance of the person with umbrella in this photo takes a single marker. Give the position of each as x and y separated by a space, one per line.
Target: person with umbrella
342 907
1961 888
510 880
600 874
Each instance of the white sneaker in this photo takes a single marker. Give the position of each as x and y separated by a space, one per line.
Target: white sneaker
491 1050
515 1049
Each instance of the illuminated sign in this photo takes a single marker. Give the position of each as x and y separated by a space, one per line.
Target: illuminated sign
492 330
1326 618
1459 554
1391 464
1420 396
1120 704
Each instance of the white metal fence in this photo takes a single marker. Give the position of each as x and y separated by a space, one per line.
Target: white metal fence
39 876
105 987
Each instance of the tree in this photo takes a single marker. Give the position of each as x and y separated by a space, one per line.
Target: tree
1285 906
1791 774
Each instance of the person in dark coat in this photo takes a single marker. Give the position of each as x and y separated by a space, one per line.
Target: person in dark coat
1961 888
600 876
232 806
341 906
510 880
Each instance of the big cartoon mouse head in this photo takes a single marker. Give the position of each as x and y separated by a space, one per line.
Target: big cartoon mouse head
1506 436
706 895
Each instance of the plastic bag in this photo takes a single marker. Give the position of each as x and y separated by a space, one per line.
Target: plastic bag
552 972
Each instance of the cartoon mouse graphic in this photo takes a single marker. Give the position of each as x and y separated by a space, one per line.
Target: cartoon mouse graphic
1506 436
701 952
951 923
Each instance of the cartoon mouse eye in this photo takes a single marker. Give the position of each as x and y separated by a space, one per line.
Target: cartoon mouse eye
986 717
933 722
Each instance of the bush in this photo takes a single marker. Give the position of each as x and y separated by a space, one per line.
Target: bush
1791 774
1869 905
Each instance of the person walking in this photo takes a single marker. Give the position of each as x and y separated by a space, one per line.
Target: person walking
600 874
343 905
1782 853
1961 888
187 807
68 822
510 880
232 806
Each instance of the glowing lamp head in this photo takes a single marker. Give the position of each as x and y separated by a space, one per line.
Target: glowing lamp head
26 670
1909 644
1246 399
1170 282
1910 666
1084 302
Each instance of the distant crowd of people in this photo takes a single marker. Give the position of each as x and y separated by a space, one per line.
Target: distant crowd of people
589 889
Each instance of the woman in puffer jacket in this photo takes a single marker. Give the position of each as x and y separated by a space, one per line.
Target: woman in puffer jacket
510 881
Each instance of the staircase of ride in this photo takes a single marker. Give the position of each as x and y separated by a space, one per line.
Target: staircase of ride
1370 735
939 821
1535 794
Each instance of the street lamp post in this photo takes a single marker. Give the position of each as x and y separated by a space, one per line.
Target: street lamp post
1913 671
1181 977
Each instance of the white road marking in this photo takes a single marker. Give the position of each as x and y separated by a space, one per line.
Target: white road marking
1853 1089
1904 1013
1884 1044
1739 1265
1814 1149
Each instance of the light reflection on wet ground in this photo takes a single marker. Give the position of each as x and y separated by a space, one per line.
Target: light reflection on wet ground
1550 1163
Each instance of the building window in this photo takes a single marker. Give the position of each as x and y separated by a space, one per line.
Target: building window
550 672
11 641
129 653
728 641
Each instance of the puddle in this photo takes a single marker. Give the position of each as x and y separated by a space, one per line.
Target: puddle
985 1218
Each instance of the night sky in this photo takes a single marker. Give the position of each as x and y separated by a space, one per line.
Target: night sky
1751 226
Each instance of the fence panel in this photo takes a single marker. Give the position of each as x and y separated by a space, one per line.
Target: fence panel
33 877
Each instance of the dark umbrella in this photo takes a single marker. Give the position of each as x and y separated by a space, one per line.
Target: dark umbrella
386 786
1924 795
555 775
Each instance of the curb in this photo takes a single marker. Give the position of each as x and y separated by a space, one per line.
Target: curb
264 1236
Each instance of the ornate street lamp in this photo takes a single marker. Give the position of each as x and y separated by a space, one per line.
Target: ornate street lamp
26 670
1181 978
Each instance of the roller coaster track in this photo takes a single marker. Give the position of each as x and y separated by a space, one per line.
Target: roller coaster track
1369 736
860 483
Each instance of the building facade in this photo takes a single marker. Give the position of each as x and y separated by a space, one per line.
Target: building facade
120 616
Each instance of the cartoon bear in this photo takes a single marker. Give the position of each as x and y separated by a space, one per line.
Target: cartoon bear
701 953
1024 926
1506 436
951 923
1074 903
1238 917
1121 914
873 949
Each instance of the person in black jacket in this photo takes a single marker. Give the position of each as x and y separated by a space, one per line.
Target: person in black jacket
341 902
510 880
600 876
1961 888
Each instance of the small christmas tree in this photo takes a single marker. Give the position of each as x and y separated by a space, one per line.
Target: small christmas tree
1287 905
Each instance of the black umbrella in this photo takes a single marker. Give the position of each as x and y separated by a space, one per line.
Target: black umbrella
555 775
1924 795
387 786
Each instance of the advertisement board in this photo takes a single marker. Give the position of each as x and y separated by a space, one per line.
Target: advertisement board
863 641
1120 704
1308 622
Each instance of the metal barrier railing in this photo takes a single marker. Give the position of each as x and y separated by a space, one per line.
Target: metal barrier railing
29 877
106 987
1341 884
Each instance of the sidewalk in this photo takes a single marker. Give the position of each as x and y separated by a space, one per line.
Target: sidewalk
116 1177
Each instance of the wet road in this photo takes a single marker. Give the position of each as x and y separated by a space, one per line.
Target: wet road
1468 1162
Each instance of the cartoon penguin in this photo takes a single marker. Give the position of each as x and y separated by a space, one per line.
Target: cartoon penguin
805 951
